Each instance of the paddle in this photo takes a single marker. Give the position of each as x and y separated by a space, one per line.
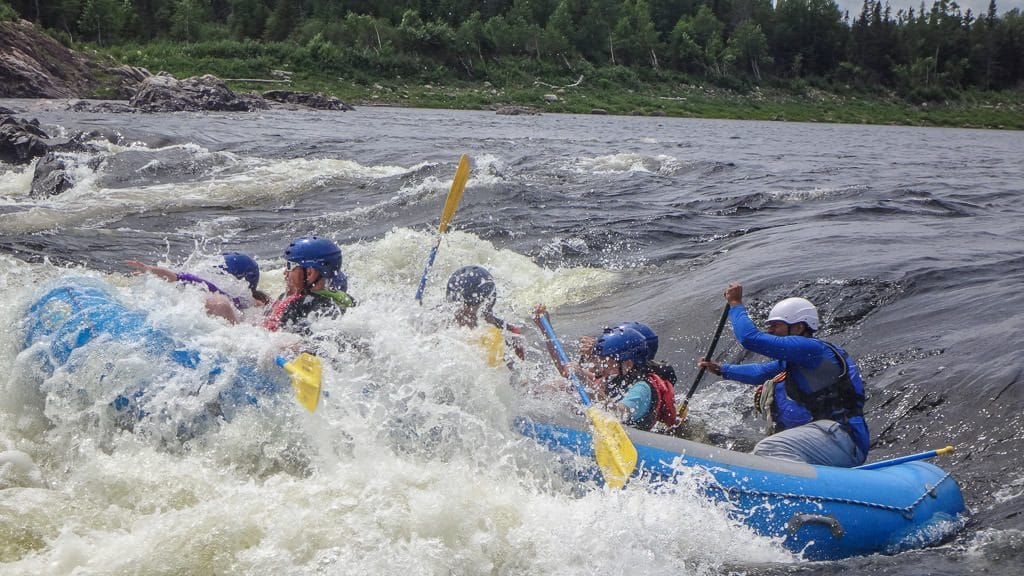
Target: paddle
306 375
684 408
451 204
615 454
902 459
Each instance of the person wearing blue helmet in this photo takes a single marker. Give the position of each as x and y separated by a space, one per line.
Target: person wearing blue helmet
472 289
627 382
225 303
312 263
666 371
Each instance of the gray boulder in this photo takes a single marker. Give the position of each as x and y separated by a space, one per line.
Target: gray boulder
163 93
308 99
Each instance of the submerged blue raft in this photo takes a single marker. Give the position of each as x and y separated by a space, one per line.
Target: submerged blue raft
82 317
821 512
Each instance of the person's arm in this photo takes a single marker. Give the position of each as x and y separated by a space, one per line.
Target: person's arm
514 341
160 271
172 276
541 311
801 351
753 374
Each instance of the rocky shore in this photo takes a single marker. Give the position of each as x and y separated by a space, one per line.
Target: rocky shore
35 66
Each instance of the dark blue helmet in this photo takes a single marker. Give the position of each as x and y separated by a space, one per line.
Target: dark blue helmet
649 336
472 285
321 254
340 282
243 267
622 344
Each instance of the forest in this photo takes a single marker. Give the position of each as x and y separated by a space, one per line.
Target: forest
930 53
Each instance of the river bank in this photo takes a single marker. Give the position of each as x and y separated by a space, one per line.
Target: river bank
48 70
1001 110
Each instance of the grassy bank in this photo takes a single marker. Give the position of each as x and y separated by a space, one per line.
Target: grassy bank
584 89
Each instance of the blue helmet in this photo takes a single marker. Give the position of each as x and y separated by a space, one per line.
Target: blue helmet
622 344
649 336
472 285
321 254
340 282
243 267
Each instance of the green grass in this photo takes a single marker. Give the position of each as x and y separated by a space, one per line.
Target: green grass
379 79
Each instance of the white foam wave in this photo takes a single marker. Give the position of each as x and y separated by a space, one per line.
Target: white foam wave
412 451
232 180
628 162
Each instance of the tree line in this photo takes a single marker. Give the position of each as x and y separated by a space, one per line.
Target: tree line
927 52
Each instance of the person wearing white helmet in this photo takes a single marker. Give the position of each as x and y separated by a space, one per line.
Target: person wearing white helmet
812 389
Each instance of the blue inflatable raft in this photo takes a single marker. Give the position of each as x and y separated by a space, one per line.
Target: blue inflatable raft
73 321
821 512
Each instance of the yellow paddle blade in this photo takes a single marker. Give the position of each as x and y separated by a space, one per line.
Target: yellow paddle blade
493 343
306 374
455 194
615 454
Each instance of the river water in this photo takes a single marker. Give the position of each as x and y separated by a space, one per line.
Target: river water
910 240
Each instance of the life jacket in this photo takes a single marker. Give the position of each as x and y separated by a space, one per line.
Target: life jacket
273 319
663 403
833 394
666 371
663 398
294 308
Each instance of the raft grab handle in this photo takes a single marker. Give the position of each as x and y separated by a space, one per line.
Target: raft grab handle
798 520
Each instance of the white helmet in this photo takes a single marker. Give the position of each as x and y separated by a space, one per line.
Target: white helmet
793 310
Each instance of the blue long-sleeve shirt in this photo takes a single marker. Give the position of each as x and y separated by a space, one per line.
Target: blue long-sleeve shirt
807 353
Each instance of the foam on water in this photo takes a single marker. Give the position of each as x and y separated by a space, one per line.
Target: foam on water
229 180
410 464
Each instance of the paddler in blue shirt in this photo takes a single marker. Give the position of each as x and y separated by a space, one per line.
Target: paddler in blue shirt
812 389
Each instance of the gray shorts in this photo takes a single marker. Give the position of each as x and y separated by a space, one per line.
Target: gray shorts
822 442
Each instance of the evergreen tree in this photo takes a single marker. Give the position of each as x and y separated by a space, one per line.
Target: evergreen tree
283 20
808 37
247 18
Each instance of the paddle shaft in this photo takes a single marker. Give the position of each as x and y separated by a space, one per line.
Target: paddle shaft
614 453
902 459
711 350
564 359
430 262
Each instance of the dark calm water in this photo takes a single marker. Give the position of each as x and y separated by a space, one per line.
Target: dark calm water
910 240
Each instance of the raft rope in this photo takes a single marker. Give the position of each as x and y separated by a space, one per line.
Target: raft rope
907 511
